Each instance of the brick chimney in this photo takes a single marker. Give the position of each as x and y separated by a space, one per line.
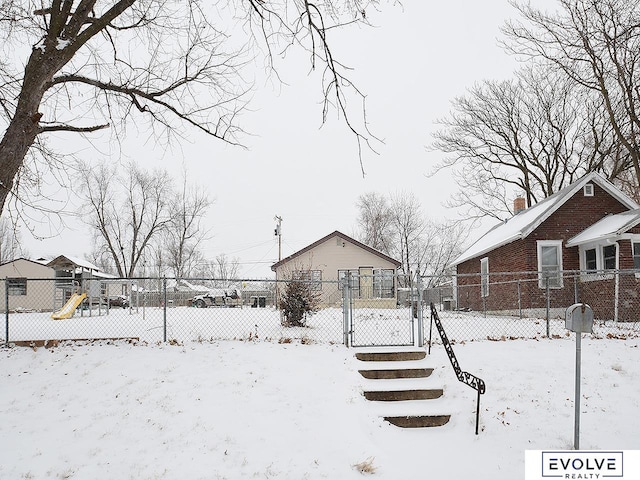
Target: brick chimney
519 204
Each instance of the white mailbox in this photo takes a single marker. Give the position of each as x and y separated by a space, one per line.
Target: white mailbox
579 318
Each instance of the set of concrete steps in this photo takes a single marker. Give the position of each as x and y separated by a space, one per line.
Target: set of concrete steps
399 379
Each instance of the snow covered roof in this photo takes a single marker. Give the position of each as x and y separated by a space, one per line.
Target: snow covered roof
105 275
609 226
67 262
524 223
183 285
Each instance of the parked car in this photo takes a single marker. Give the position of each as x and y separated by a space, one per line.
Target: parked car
118 301
218 298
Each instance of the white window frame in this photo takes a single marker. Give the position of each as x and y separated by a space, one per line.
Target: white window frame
615 256
600 273
583 259
635 240
541 278
484 277
588 190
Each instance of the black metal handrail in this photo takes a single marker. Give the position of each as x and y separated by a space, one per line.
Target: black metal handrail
465 377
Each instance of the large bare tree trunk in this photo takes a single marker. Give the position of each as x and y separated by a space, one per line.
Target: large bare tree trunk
24 126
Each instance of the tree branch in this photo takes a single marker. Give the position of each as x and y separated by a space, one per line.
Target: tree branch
71 128
135 94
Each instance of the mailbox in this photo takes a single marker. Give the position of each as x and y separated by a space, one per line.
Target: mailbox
579 318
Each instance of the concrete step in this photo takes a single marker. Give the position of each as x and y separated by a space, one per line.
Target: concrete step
390 356
419 421
397 373
396 390
402 395
408 408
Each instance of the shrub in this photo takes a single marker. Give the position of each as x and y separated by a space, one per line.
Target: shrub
297 302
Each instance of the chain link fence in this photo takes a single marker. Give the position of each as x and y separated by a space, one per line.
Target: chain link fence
502 306
160 309
358 312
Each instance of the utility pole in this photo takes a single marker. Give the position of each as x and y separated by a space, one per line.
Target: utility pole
278 233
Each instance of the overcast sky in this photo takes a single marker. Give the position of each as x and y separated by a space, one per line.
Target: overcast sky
410 65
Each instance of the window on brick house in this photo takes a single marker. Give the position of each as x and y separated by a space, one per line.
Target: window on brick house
484 276
636 255
598 258
609 257
590 260
550 263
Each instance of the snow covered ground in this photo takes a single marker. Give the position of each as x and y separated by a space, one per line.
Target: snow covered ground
370 326
256 409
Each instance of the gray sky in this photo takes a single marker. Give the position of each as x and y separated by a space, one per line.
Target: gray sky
410 65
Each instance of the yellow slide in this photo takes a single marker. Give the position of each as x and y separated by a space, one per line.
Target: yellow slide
70 307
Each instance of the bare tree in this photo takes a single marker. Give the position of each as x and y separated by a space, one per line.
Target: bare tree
184 232
223 270
167 65
441 244
127 213
420 243
374 222
596 44
528 136
226 268
10 248
408 224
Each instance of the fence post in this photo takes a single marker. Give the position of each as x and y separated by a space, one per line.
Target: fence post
164 302
420 313
548 304
616 293
6 311
346 309
519 300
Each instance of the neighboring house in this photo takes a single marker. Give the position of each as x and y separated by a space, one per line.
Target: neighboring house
47 285
590 225
29 285
332 259
72 271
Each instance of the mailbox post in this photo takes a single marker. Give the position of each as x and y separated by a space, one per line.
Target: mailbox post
579 319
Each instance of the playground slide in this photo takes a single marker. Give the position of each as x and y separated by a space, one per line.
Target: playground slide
70 307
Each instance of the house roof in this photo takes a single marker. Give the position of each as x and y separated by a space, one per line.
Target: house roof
37 262
609 226
331 235
65 262
524 223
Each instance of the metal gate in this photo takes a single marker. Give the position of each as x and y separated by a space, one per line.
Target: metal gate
374 315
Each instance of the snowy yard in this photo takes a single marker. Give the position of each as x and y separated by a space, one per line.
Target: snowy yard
370 326
247 409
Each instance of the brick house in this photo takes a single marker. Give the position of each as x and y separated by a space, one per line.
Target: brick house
589 228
